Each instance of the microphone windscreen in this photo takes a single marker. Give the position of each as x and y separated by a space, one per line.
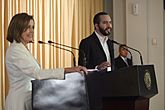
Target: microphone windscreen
31 41
49 41
40 42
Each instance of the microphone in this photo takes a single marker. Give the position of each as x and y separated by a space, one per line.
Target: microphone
130 54
74 58
31 41
84 57
129 48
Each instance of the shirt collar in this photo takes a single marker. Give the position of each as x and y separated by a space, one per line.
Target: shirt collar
102 39
124 58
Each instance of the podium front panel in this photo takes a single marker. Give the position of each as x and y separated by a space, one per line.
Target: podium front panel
68 94
136 81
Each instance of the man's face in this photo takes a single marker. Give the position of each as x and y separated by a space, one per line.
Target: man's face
123 51
105 26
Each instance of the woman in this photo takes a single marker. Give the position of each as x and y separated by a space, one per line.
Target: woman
22 66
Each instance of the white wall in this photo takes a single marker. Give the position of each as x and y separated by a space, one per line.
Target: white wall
164 43
156 52
119 20
139 31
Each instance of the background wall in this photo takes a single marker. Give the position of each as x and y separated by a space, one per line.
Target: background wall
143 31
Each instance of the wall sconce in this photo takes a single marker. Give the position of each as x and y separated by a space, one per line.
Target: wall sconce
135 9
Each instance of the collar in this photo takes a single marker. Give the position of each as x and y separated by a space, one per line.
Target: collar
19 44
124 58
102 39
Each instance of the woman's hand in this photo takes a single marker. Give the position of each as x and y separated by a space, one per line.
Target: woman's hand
80 69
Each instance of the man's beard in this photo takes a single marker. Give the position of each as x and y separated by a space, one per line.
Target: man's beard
105 32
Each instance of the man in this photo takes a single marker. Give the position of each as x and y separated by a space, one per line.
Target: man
97 48
122 60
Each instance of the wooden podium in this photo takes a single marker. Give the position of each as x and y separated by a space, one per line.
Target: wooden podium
124 89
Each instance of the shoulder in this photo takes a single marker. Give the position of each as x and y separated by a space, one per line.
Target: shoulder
129 60
89 38
15 50
16 47
117 58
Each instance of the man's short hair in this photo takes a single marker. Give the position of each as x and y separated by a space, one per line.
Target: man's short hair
96 19
123 46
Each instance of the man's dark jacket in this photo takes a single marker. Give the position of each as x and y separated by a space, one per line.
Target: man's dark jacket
94 53
119 62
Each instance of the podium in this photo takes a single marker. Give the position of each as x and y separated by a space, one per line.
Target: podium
124 89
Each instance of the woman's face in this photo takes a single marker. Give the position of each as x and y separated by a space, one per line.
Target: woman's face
27 35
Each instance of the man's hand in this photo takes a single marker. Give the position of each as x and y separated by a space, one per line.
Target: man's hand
103 65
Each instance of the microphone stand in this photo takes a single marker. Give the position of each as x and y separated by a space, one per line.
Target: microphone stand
84 61
131 55
74 58
141 59
84 57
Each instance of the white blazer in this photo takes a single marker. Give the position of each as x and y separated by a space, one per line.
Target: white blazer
22 68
